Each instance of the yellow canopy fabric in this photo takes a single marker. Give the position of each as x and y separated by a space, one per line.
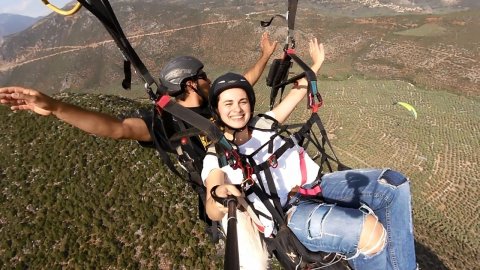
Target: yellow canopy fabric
408 107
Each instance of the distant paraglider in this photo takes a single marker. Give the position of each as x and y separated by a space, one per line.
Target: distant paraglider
407 106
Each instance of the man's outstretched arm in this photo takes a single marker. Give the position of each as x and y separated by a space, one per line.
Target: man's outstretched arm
267 47
96 123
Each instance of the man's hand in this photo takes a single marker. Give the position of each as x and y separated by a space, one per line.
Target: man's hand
19 98
92 122
267 46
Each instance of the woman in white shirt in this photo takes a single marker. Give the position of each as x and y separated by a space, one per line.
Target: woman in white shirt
365 215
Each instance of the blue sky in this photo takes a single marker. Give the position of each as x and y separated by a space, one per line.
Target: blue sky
31 8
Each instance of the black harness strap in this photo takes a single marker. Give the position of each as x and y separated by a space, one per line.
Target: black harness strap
292 14
278 216
257 173
273 194
127 71
265 167
315 118
194 119
188 132
163 154
184 152
104 12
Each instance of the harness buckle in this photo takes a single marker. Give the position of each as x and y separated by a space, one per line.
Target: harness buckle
272 161
233 159
248 181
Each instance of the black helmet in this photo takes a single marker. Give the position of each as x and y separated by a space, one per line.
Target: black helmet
175 73
225 82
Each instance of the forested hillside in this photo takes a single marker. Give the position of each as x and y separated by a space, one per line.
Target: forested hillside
72 200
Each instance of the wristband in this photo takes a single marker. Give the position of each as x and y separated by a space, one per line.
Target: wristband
214 195
221 200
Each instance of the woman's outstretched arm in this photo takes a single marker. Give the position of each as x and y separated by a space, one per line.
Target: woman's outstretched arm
283 110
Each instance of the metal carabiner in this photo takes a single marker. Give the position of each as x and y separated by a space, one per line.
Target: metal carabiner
248 181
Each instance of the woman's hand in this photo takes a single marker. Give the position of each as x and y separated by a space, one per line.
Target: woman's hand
216 210
283 110
223 191
317 53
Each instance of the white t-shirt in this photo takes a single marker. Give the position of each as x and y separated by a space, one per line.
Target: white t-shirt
285 178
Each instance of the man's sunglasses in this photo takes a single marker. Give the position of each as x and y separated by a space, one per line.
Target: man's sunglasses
202 75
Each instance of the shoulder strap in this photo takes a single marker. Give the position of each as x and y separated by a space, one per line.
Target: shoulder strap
214 150
263 122
185 147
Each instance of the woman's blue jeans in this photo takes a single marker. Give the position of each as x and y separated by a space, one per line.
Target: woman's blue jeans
336 225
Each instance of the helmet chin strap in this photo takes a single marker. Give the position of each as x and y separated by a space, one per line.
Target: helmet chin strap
235 130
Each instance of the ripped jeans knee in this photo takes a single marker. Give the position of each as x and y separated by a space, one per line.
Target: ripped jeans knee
373 237
327 227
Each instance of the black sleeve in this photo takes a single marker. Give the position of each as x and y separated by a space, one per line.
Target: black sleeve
157 127
147 117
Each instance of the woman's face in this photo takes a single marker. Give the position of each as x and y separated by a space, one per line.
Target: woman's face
234 107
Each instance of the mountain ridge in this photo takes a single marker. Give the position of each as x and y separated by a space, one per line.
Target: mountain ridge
75 53
13 23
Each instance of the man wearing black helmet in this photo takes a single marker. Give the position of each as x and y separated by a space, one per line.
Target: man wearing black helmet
186 81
